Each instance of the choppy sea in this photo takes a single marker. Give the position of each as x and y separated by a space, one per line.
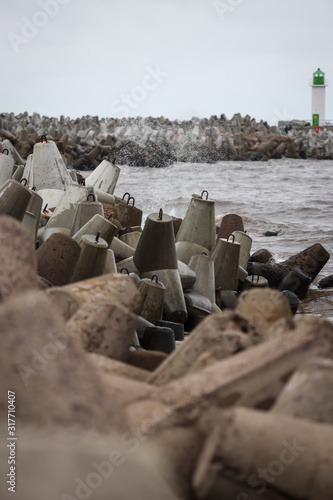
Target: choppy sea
291 197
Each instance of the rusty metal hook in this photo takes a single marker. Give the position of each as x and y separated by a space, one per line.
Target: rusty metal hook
203 193
5 150
156 278
126 195
129 199
160 214
93 196
24 181
231 236
124 269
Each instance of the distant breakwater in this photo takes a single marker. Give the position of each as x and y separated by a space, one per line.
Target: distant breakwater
158 142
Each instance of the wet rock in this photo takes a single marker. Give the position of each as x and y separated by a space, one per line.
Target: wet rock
263 256
326 282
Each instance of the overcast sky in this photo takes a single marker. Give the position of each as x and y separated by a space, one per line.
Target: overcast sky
176 58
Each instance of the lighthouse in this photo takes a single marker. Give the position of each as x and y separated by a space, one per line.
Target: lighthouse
318 98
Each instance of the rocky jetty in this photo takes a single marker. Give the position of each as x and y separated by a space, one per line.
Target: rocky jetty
157 142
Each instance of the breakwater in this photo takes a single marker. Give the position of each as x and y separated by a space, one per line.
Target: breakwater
157 142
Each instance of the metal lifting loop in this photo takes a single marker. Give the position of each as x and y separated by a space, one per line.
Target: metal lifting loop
97 236
124 269
43 138
203 194
93 197
129 199
5 151
160 214
44 209
156 278
204 253
231 236
33 188
128 229
258 277
126 195
24 181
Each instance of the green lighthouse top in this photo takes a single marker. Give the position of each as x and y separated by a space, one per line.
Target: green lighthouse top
319 77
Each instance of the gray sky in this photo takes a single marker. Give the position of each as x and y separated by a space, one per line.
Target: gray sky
177 58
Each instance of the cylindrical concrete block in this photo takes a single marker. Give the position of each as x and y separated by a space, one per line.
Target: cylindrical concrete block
92 258
174 302
14 199
153 299
198 224
122 251
255 281
156 248
158 338
106 198
57 259
226 263
245 242
110 263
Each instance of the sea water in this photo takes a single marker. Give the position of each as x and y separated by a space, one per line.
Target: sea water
292 197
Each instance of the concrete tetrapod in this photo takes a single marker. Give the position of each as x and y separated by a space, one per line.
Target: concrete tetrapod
97 224
310 261
226 264
92 258
48 168
214 333
245 242
308 393
290 458
6 167
156 247
198 225
14 199
18 264
253 377
104 177
103 327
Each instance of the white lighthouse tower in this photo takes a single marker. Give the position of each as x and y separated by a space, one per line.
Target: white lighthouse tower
318 98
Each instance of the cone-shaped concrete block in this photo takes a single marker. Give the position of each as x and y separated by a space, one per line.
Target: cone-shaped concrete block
198 224
85 210
110 366
18 264
153 299
49 169
92 258
229 224
203 267
245 242
104 177
186 249
97 224
6 167
156 248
